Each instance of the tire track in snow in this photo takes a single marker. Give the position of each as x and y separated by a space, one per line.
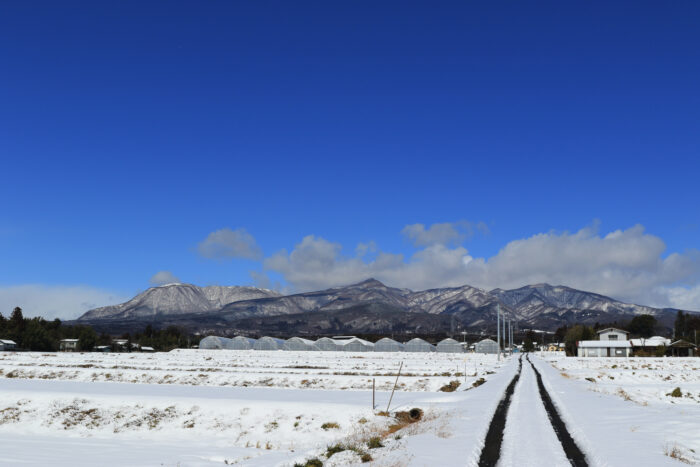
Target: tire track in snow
529 437
573 453
491 451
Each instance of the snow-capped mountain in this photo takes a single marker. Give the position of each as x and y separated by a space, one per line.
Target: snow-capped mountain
534 300
370 302
176 299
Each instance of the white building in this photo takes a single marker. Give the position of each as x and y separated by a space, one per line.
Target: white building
612 342
611 348
7 344
68 345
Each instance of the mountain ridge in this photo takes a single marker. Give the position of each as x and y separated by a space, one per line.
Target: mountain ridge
540 306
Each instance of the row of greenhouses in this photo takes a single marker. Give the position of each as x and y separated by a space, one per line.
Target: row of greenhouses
338 343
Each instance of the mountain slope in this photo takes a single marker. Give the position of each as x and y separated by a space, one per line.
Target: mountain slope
175 299
372 304
541 299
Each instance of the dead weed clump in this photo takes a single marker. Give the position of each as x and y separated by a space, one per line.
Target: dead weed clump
9 415
622 393
478 382
675 452
451 386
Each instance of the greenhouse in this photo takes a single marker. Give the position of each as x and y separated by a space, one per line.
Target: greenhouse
326 343
449 346
214 342
486 346
297 343
356 345
268 343
387 345
418 345
240 343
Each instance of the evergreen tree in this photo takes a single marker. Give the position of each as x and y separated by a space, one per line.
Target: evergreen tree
35 336
87 339
642 325
680 326
577 333
16 326
529 345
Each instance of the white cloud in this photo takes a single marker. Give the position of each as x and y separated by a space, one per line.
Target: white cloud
162 278
686 298
49 302
446 233
363 249
625 264
226 243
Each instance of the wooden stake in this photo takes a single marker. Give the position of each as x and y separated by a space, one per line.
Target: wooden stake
394 388
373 405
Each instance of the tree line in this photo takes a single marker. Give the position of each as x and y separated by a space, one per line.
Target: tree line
39 334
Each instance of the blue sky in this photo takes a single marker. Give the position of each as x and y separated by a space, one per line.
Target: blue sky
131 132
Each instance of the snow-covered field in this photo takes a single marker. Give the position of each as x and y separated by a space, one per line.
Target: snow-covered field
640 380
202 408
194 407
250 368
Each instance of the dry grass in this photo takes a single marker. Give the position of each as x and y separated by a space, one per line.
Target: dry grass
622 393
675 452
451 386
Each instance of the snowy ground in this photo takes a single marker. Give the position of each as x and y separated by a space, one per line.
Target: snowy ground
251 408
250 368
629 401
640 380
216 407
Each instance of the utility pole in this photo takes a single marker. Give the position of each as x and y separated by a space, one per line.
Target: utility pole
505 331
504 334
498 328
510 337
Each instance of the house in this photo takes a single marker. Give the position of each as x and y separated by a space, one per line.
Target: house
122 345
68 345
682 348
612 342
612 334
610 348
6 344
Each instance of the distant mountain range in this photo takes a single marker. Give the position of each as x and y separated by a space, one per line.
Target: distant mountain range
366 307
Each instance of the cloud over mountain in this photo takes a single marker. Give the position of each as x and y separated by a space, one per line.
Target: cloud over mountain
228 244
626 264
163 277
